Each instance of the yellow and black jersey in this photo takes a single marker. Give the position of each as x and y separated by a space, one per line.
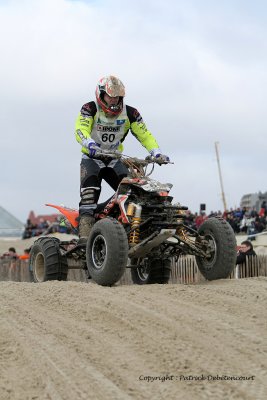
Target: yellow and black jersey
109 133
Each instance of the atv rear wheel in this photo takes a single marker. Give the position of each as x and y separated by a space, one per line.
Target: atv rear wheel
46 262
152 271
107 252
218 237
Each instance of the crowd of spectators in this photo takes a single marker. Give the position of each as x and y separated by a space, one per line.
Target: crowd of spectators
242 220
45 227
245 221
11 254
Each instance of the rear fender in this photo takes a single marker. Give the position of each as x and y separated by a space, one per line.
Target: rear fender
70 213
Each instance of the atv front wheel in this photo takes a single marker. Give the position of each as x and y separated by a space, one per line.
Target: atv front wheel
46 262
107 252
151 271
218 239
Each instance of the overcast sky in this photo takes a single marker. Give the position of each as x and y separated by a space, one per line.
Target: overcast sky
196 71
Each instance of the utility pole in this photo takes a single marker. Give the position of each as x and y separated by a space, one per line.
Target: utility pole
220 175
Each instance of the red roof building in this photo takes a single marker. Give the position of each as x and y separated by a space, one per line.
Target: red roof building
35 220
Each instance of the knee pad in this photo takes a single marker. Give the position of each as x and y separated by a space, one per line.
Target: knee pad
89 195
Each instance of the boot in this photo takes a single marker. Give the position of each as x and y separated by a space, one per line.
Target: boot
85 225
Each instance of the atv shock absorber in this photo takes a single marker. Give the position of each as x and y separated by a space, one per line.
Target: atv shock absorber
181 215
135 226
130 210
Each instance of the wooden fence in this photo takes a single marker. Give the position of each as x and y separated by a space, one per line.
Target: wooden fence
184 271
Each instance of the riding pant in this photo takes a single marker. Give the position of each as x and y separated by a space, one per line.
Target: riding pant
92 173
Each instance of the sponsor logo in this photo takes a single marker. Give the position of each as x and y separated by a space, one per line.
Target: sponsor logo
120 121
102 128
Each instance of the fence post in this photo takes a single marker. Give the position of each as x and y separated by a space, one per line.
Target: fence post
237 271
184 270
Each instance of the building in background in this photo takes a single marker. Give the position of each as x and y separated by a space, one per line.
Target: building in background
37 225
9 225
37 219
253 200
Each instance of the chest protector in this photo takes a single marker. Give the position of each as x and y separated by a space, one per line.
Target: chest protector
108 132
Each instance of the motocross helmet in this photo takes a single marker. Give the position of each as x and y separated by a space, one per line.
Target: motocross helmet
113 87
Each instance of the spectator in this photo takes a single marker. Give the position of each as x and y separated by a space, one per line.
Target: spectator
253 213
263 210
11 253
234 222
246 223
245 250
200 219
25 255
238 213
260 223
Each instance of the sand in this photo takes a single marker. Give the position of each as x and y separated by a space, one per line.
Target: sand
73 340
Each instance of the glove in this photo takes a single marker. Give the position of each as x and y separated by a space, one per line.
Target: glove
163 157
92 148
158 154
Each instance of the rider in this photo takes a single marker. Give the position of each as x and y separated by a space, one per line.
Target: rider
104 125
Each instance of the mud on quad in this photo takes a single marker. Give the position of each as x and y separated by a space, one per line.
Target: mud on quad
137 228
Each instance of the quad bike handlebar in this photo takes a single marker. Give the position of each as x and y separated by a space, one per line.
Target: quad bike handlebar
136 166
104 154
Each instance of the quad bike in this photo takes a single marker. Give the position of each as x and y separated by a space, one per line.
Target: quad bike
137 228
